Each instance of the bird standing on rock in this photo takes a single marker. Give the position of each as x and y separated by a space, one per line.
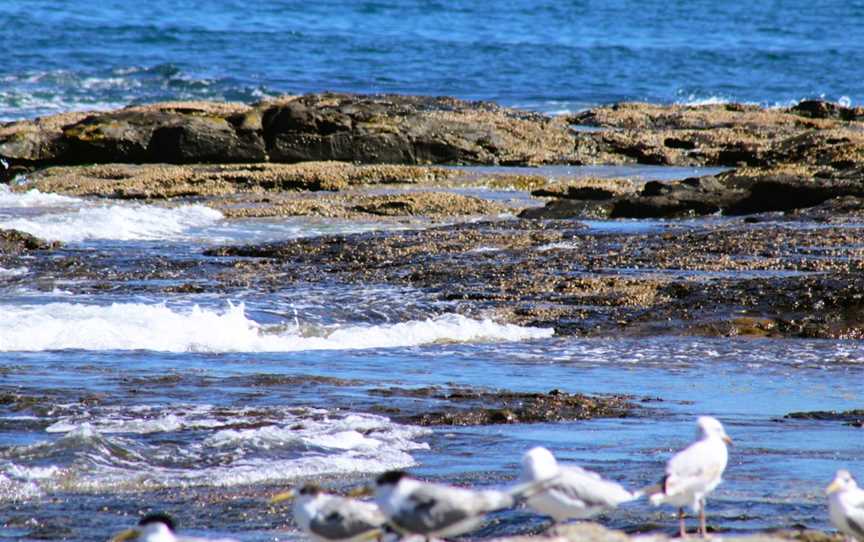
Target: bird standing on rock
331 518
846 506
571 492
694 472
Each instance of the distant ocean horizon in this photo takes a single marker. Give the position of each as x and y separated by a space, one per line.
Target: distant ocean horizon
555 56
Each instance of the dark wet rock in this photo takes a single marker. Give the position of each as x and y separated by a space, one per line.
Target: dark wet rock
737 192
820 109
160 134
471 406
855 418
16 242
356 128
732 279
410 130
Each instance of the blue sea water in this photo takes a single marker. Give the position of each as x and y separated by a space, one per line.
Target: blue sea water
117 397
550 56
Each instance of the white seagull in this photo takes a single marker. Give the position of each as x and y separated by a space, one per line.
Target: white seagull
570 492
694 472
846 505
331 518
435 510
159 527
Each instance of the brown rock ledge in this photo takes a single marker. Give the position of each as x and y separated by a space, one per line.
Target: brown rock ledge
356 128
164 181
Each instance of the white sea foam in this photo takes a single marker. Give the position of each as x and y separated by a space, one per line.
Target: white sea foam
33 198
291 444
117 222
13 271
135 326
693 99
561 245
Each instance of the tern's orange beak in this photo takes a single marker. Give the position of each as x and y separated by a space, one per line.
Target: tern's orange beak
286 496
727 439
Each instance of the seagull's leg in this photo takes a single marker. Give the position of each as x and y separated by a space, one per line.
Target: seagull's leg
682 529
703 529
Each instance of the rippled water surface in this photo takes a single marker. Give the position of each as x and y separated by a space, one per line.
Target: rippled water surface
554 56
117 401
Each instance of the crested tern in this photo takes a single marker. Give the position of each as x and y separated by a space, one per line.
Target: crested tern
330 518
436 510
159 527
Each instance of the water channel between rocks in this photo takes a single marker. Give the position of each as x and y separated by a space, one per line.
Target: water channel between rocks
203 401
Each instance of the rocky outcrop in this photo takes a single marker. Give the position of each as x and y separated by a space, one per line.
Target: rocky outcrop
473 406
164 181
16 242
738 192
719 279
356 128
812 133
426 130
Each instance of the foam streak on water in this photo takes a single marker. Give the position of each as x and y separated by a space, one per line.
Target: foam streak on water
135 326
123 223
106 450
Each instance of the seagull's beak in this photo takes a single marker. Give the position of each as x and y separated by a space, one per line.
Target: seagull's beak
834 487
361 491
728 440
286 496
124 536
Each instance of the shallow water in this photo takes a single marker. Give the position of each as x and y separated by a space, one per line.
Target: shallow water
203 404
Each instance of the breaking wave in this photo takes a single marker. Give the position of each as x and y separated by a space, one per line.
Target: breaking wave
136 326
116 222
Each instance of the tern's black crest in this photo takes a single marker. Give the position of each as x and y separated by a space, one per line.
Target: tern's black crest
158 517
391 477
310 489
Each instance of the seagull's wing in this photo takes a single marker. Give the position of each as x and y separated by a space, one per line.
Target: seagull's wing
855 515
340 519
588 488
431 508
694 468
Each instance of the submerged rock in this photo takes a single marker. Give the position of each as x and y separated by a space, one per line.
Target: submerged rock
854 418
470 406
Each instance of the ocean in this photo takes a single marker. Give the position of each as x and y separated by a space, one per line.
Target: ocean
548 56
118 397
